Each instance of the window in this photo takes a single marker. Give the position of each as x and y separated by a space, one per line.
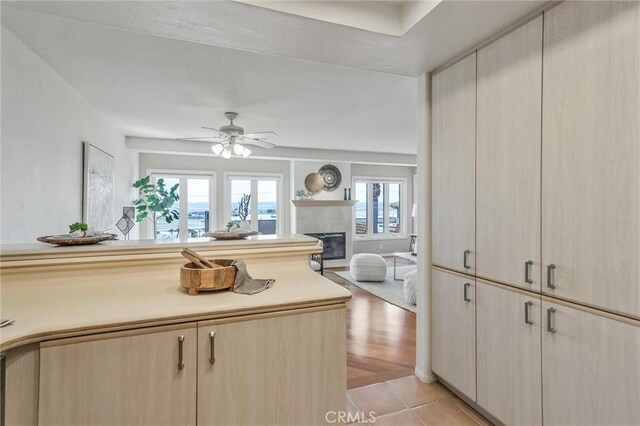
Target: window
195 206
264 205
380 208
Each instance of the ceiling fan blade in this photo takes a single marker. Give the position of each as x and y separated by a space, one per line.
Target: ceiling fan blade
259 135
258 142
202 137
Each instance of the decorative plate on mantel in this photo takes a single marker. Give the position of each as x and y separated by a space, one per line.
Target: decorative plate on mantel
68 240
331 177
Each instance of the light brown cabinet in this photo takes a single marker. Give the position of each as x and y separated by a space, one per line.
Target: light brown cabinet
272 370
454 330
557 184
508 342
136 377
508 164
286 367
590 154
453 145
590 367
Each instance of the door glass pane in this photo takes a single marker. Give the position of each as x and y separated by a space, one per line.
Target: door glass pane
361 208
378 207
394 208
166 230
239 188
198 202
267 206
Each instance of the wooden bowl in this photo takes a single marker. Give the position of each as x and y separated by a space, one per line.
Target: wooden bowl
196 279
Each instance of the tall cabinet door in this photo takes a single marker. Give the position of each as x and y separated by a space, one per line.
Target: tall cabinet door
453 150
590 154
272 370
454 330
591 372
508 165
509 373
141 377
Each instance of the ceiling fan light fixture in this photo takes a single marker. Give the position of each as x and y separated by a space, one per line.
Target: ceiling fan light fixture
217 148
238 149
226 154
246 152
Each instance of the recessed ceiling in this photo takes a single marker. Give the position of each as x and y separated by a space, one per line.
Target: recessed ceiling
393 18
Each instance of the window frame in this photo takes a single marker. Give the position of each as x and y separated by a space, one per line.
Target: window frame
254 177
182 176
370 236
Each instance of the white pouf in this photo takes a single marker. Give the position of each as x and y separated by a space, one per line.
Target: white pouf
409 287
368 267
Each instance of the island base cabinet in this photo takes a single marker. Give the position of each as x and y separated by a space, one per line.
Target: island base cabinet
590 368
508 357
145 376
284 369
454 330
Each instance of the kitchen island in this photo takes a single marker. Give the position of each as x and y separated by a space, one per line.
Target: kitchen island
105 334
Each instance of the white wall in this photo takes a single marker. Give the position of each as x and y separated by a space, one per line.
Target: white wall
44 122
386 246
219 166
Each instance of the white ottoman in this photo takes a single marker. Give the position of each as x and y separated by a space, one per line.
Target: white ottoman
409 287
368 267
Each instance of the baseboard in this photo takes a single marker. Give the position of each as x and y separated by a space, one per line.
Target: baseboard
427 378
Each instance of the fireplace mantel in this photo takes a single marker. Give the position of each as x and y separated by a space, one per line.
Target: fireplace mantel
324 203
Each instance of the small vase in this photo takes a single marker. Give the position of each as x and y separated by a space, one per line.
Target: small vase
345 194
245 226
349 193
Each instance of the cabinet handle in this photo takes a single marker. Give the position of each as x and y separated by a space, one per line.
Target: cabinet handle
551 276
464 296
180 354
527 271
550 327
465 259
212 341
527 309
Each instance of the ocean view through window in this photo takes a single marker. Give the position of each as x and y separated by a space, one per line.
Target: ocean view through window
381 207
264 204
195 206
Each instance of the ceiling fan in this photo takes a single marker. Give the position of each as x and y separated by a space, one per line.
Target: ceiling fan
232 139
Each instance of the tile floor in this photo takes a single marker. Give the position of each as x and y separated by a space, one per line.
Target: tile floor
408 401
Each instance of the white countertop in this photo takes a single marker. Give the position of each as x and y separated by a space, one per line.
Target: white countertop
62 303
54 292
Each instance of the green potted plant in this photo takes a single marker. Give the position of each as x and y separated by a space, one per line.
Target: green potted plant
155 201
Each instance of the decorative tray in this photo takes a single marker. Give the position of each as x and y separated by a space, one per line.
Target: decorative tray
234 235
67 240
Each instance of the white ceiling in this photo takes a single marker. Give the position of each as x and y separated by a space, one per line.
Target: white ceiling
164 88
452 27
163 69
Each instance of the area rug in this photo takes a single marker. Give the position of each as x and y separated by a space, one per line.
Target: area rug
389 289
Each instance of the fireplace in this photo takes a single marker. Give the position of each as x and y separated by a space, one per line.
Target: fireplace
334 244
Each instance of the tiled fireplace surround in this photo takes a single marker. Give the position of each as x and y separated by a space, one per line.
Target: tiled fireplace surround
315 216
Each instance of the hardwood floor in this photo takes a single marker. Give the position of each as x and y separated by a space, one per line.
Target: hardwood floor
381 337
